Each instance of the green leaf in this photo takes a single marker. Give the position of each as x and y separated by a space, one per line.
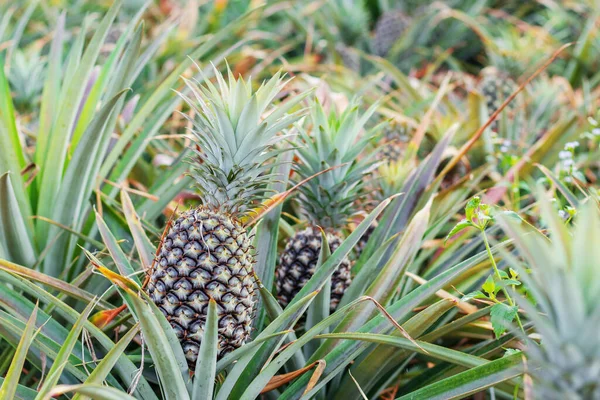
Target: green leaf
267 232
472 381
124 367
501 316
472 205
388 280
252 390
61 359
381 360
71 199
247 367
320 276
167 367
457 228
345 352
63 126
13 148
50 93
105 366
474 295
206 364
62 286
437 352
21 24
573 201
11 382
118 256
23 392
15 237
93 391
319 309
238 353
490 286
144 246
165 88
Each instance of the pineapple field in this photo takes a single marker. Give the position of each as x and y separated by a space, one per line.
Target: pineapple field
299 199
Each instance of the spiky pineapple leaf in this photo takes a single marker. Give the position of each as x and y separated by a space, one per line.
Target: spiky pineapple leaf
15 230
119 257
93 391
387 281
380 361
57 146
471 381
104 367
9 387
206 364
267 233
248 367
144 246
168 369
59 362
165 87
319 309
345 352
124 368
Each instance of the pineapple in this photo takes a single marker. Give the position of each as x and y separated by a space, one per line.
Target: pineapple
26 79
496 87
207 252
326 200
389 28
395 139
298 262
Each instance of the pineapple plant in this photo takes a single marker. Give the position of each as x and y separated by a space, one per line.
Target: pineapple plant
327 200
561 274
207 252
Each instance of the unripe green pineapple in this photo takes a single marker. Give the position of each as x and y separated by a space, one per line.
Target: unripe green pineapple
496 87
207 252
327 200
388 29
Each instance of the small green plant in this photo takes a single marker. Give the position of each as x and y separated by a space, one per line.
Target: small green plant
478 215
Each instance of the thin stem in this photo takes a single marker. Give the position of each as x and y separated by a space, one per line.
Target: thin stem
497 273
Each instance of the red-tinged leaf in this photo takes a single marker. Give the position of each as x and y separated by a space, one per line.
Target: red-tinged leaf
103 318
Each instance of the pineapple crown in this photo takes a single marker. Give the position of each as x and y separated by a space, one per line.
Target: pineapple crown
236 129
563 281
336 140
351 19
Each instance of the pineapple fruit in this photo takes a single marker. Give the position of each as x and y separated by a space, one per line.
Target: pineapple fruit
389 28
393 145
327 200
299 260
207 252
496 86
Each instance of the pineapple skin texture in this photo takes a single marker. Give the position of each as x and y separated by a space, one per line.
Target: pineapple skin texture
206 254
299 260
496 88
390 26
